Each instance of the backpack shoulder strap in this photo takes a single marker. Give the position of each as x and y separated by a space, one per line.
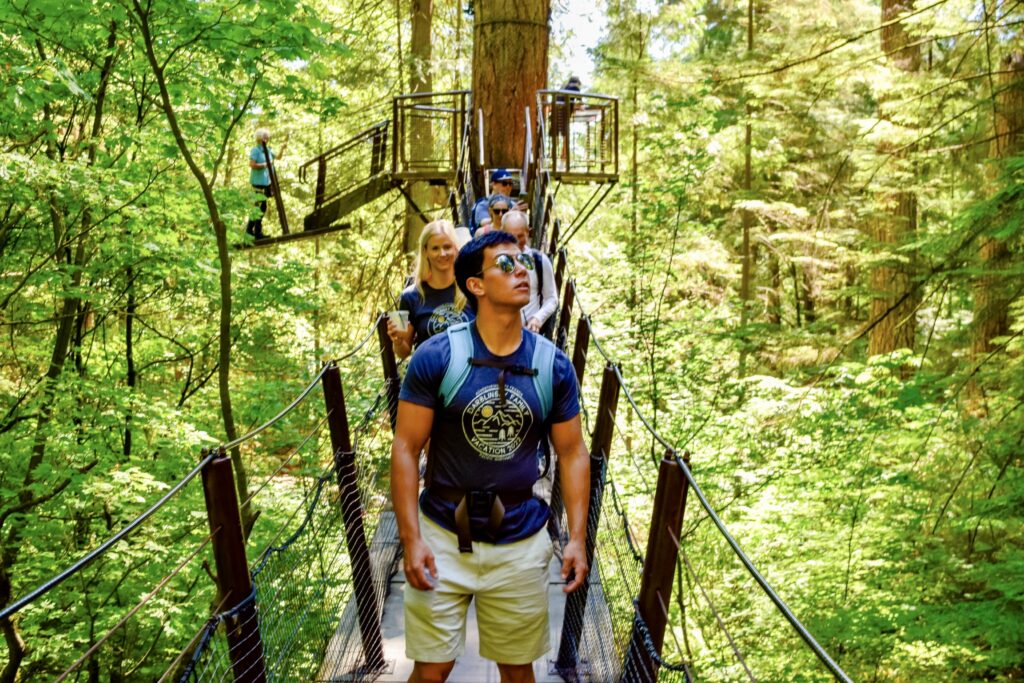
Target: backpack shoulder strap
544 363
460 339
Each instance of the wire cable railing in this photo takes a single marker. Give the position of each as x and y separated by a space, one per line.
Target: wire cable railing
171 589
780 605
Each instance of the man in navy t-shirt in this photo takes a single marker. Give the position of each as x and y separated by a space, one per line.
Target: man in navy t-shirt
483 463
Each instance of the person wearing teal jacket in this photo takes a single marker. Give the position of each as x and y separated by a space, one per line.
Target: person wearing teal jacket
259 178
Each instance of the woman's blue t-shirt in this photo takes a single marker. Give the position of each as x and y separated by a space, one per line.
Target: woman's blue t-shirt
478 444
433 312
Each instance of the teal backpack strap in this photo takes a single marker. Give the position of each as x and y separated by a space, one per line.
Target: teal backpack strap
544 363
460 338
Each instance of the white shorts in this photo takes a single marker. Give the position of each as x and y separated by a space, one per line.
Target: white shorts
510 585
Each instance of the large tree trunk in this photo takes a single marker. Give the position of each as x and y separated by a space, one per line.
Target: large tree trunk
421 136
895 301
991 300
510 64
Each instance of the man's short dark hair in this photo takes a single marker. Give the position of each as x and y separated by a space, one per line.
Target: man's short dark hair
470 260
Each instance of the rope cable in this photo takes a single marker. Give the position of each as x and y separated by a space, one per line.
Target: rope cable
78 566
711 604
287 409
780 604
149 596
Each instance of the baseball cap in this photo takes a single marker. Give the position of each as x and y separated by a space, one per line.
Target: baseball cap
501 175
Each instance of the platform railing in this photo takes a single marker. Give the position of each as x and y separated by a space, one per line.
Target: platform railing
428 135
581 141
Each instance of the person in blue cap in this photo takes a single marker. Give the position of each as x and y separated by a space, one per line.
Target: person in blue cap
501 184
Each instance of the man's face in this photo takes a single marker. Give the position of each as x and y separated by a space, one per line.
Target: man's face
520 232
504 289
503 186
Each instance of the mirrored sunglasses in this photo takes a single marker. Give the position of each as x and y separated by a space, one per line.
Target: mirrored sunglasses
507 263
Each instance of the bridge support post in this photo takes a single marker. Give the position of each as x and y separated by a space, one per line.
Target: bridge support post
579 348
352 513
576 603
234 581
387 357
659 570
560 270
565 316
579 362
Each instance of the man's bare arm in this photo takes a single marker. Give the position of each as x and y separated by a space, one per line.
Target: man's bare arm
411 433
574 475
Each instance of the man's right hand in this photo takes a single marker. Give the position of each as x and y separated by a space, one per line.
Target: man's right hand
418 560
401 341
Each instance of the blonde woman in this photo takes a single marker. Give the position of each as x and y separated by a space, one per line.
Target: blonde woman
433 301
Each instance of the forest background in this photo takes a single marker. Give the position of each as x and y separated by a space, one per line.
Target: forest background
811 272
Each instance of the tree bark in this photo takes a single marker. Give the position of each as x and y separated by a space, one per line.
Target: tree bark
510 64
894 306
991 300
421 135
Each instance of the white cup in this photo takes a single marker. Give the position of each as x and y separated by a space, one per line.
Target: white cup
400 319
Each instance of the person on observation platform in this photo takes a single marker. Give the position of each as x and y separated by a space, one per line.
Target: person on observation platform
538 315
259 178
477 532
432 300
560 120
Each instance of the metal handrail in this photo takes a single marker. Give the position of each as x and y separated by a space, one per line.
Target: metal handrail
361 136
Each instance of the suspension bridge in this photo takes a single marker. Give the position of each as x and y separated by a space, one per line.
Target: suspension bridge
317 595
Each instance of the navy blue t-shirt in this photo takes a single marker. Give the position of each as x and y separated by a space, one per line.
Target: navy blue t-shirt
434 312
476 444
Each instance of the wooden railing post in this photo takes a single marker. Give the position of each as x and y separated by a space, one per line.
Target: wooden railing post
282 217
234 581
321 182
580 346
387 357
560 270
575 604
556 228
565 317
352 513
659 569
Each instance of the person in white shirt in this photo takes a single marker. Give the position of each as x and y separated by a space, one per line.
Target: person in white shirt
543 298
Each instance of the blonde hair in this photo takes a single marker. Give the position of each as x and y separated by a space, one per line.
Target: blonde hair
421 264
262 134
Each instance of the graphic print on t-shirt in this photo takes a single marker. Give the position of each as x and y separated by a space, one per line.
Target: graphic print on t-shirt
443 317
494 430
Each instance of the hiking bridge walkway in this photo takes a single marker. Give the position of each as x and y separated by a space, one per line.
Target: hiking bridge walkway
318 595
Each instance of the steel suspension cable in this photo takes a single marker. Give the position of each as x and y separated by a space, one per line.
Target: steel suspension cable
779 603
714 611
82 563
146 598
287 409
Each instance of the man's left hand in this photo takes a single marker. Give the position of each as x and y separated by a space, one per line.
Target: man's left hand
574 565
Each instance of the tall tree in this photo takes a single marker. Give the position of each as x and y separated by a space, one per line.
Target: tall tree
991 298
420 81
894 303
510 64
